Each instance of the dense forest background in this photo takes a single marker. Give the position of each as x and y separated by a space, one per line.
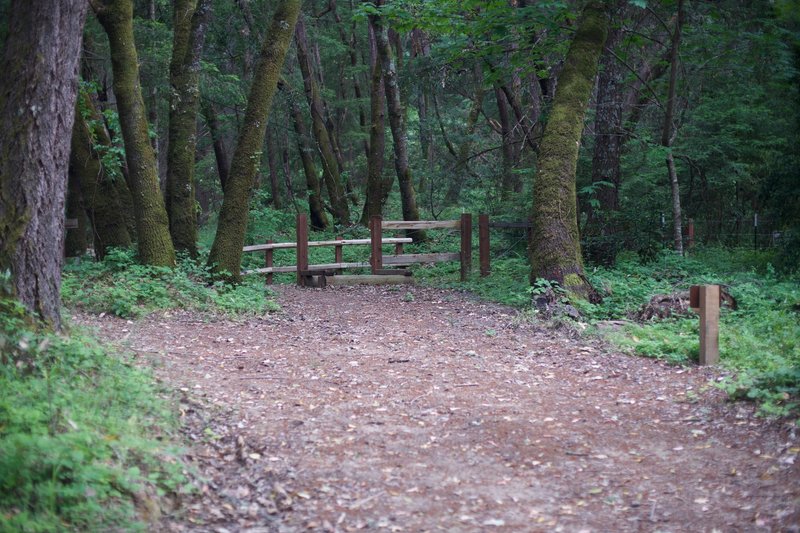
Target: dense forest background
476 82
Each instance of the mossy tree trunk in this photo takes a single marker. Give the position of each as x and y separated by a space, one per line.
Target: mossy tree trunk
226 252
555 246
37 106
325 142
189 29
101 200
397 123
152 225
373 206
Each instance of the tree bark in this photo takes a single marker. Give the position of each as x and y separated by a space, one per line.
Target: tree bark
555 246
669 133
189 30
330 165
461 167
75 242
373 206
100 194
609 137
272 162
37 107
226 252
319 220
397 123
220 152
509 181
152 224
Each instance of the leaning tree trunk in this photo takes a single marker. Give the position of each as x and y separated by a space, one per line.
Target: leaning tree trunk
327 150
319 220
100 193
220 152
555 246
397 123
37 107
190 22
152 225
669 132
226 252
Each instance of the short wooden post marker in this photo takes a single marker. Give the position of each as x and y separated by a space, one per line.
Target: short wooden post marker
705 300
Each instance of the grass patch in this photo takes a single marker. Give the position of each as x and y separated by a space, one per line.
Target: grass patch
83 432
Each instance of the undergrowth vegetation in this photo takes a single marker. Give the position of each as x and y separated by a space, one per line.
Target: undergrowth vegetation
84 434
118 285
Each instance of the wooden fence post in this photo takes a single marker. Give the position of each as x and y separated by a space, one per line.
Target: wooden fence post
705 299
466 245
376 241
483 245
268 261
302 248
338 256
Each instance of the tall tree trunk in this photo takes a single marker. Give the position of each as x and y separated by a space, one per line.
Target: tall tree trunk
226 252
287 172
510 181
100 193
461 166
75 243
397 123
555 246
189 30
607 153
37 107
319 220
669 133
272 162
152 225
373 206
330 165
220 152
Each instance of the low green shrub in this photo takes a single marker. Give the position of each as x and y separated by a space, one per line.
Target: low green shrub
82 431
119 286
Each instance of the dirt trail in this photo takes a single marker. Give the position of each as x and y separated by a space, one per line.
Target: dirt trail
368 408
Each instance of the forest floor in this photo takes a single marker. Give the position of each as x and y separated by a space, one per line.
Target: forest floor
422 410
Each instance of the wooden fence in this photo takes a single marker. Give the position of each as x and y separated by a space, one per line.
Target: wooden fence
377 261
377 225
